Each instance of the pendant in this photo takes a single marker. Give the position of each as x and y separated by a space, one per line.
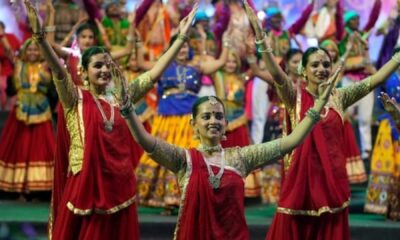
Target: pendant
214 181
108 126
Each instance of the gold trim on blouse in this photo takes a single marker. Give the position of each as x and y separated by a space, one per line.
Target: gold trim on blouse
315 213
112 210
76 129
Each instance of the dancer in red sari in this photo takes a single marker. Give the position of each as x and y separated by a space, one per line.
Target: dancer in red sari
210 177
94 191
315 189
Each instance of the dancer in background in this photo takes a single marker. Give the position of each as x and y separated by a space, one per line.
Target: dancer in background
94 192
28 141
315 190
210 177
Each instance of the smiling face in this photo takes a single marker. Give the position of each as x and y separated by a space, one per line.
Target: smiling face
210 122
293 64
231 65
85 39
318 68
99 70
32 53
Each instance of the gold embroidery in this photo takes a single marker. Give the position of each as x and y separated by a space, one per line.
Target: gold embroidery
67 91
350 95
255 156
140 86
112 210
315 213
74 121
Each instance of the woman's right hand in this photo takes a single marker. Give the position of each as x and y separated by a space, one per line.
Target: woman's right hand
389 104
253 20
33 17
187 21
325 89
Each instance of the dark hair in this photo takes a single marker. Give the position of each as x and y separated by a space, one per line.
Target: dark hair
86 26
88 53
286 58
200 100
396 50
2 25
173 39
309 52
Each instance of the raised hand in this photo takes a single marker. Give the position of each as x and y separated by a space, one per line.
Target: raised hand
255 23
186 22
120 91
33 17
389 104
325 89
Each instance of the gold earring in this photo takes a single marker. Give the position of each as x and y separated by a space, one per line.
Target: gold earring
224 138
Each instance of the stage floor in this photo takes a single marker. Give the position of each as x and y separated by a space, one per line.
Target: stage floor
16 215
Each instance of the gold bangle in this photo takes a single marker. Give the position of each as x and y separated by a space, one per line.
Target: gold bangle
38 36
267 50
183 37
50 29
261 41
227 44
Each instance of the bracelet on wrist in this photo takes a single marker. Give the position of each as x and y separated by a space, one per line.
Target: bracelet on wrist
183 37
127 109
313 114
261 41
130 39
38 36
251 59
267 50
227 44
50 29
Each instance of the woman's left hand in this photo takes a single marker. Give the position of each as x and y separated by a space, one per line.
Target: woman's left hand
187 21
325 89
120 90
389 104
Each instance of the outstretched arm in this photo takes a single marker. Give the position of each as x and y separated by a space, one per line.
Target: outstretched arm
373 16
284 86
352 94
67 93
258 155
140 88
170 156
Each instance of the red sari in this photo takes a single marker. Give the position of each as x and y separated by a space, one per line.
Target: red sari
98 202
315 189
207 213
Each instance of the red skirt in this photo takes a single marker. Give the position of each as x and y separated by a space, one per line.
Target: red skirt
26 156
238 137
354 163
120 225
325 227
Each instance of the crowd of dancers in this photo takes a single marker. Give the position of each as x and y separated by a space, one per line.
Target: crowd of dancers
168 107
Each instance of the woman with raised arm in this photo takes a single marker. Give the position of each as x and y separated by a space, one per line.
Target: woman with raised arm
28 140
315 191
95 187
211 177
177 90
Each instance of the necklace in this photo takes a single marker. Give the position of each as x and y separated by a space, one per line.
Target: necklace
210 149
181 75
108 124
215 180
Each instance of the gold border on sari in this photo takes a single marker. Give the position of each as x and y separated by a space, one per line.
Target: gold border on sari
314 213
112 210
